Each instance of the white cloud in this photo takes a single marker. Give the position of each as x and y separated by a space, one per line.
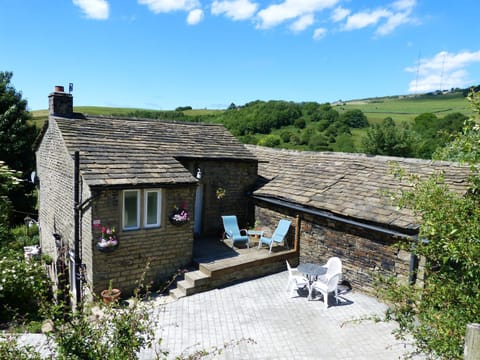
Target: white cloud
403 5
302 23
195 16
364 19
387 18
319 33
94 9
276 14
165 6
235 9
339 14
443 71
392 23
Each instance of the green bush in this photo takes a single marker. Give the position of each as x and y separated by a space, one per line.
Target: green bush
270 141
11 350
23 287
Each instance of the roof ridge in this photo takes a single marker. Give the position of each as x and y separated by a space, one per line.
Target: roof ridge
339 155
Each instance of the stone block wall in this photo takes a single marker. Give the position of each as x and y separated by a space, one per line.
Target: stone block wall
237 178
363 252
56 210
165 249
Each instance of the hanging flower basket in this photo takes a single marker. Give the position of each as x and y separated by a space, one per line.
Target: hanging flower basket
108 241
179 217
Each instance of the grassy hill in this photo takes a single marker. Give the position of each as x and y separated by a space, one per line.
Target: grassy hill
400 108
406 108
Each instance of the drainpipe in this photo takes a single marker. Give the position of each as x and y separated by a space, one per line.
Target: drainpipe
76 236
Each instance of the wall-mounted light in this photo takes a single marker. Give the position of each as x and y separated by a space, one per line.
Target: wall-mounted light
199 174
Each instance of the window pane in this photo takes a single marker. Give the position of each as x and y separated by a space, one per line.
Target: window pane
130 209
152 217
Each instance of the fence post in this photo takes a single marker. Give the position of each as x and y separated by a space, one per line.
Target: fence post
472 342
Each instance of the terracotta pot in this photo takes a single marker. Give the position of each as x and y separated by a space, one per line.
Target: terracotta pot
110 295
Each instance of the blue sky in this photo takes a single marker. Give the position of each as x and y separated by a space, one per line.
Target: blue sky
161 54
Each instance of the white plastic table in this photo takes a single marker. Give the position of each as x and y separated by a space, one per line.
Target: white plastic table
311 272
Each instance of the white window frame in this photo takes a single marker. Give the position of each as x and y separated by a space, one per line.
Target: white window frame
138 211
145 208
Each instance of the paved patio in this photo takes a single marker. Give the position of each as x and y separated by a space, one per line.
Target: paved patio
260 321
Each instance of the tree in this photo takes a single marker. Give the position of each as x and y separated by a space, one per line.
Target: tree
270 141
300 123
449 240
16 141
16 135
354 118
8 182
435 132
319 142
388 139
344 143
465 147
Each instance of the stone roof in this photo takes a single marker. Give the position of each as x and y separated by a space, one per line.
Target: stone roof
117 151
349 185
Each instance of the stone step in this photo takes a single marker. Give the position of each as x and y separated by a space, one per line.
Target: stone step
197 277
177 293
193 282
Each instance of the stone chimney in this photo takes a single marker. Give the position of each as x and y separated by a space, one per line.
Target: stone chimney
60 103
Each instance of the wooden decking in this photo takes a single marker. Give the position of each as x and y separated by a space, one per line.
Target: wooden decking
219 264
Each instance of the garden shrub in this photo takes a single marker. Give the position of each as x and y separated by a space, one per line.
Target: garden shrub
24 286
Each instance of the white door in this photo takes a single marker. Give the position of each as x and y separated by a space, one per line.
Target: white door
197 227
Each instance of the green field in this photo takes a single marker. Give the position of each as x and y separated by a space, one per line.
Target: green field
403 108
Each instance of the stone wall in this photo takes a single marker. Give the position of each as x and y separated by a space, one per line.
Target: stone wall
56 210
237 178
364 252
165 249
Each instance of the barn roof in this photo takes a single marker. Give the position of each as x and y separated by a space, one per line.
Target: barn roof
349 185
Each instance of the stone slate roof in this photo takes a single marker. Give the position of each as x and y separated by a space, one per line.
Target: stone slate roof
115 151
349 185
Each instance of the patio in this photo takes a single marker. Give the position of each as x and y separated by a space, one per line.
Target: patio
258 320
219 264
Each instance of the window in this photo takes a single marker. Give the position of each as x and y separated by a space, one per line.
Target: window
152 208
131 209
133 217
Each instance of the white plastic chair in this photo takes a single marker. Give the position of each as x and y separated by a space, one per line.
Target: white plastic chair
331 285
334 266
295 279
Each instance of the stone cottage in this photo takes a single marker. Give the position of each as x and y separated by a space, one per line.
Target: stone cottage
342 207
143 186
149 187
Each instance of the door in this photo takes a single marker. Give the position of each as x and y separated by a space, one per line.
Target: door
197 227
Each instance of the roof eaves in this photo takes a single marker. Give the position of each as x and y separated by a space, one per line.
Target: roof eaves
405 233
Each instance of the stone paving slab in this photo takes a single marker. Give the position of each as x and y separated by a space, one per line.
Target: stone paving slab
260 321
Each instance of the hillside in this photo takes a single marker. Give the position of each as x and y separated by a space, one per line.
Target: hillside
341 126
401 107
406 108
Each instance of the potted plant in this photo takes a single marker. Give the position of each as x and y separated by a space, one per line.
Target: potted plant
179 216
108 240
111 294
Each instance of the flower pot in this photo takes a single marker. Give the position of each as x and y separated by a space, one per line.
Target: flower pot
110 295
106 249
